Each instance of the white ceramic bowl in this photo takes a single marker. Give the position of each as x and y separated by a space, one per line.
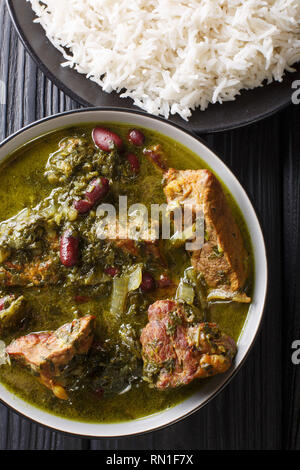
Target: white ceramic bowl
215 384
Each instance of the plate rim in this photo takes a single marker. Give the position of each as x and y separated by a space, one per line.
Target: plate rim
83 102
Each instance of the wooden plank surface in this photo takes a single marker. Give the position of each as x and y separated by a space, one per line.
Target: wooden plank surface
291 257
260 407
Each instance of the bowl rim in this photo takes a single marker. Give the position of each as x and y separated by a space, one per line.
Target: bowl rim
233 370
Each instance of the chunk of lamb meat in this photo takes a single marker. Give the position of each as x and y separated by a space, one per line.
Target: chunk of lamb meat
47 353
39 272
176 350
21 266
144 243
222 260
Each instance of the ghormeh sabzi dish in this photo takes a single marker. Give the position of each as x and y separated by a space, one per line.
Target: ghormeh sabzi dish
171 57
118 328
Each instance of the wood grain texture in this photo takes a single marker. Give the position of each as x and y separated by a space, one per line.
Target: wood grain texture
260 407
291 256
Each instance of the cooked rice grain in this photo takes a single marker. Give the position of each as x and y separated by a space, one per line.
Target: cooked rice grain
172 56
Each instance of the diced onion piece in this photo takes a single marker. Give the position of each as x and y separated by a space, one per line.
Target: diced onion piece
4 357
220 294
185 293
122 285
119 294
96 278
135 278
59 392
242 298
126 389
191 274
11 307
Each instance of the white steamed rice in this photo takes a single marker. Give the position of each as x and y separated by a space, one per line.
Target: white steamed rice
171 56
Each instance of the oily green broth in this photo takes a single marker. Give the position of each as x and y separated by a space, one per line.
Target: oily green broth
24 185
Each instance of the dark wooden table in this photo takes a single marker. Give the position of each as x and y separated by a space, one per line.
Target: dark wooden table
259 409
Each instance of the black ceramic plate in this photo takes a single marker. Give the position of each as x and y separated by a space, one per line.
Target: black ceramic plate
249 107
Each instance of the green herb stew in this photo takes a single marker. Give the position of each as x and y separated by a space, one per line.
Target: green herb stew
104 317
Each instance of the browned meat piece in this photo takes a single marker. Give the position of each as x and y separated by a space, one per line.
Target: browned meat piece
146 244
36 273
119 237
176 351
222 260
41 270
47 353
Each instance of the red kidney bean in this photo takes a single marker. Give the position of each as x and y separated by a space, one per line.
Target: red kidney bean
148 283
156 157
134 162
164 281
97 189
69 245
10 265
83 206
99 392
136 137
81 299
112 271
106 140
